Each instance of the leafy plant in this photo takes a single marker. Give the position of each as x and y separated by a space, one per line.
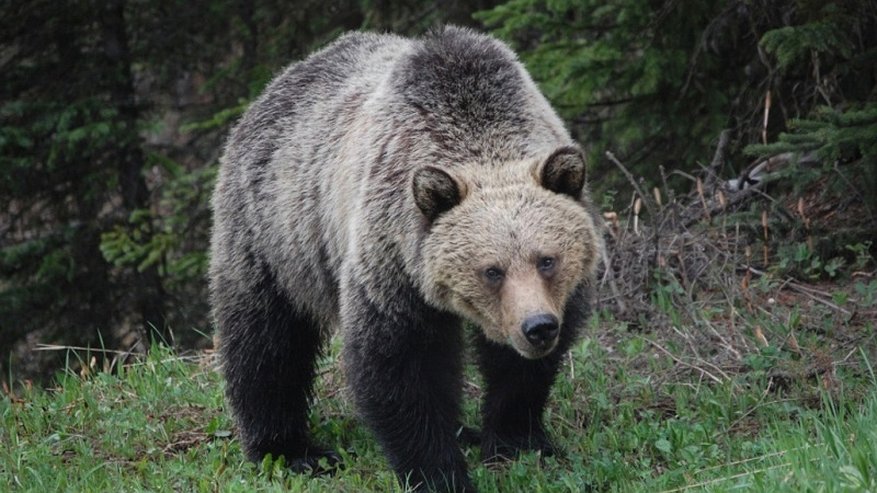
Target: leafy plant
863 258
867 293
799 260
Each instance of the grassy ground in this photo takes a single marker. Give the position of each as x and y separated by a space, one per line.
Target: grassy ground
633 411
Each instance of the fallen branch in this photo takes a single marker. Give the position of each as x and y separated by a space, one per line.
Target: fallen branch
683 363
808 292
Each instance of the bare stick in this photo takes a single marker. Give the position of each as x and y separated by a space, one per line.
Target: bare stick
683 363
712 176
632 180
56 347
609 276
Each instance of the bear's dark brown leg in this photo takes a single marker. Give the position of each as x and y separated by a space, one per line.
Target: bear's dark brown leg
516 390
405 376
268 351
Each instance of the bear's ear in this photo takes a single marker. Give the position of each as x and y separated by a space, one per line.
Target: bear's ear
564 171
436 191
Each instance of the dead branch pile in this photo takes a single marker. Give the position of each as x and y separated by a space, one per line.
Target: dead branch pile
671 260
661 238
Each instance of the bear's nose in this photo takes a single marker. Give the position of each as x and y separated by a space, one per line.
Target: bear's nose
541 329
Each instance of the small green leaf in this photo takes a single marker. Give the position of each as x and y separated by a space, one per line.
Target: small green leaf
663 445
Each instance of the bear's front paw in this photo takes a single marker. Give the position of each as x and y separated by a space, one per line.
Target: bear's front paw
500 448
317 462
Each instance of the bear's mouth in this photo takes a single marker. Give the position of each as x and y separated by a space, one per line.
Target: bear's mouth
523 347
500 334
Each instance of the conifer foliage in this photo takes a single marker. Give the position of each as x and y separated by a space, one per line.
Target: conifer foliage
112 117
656 82
113 114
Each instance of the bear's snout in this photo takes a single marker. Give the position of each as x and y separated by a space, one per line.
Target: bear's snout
541 330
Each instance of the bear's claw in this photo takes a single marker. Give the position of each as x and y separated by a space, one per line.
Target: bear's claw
496 449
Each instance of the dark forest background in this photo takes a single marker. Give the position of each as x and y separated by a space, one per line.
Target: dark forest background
113 115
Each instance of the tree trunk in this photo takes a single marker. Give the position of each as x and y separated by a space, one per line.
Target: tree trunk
129 157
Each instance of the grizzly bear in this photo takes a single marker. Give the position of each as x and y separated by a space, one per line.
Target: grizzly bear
391 190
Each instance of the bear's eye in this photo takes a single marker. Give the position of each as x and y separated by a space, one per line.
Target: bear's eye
494 274
546 264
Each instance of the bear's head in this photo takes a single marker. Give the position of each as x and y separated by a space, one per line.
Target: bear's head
508 244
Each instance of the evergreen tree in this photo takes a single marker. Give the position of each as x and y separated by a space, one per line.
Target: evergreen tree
655 82
112 117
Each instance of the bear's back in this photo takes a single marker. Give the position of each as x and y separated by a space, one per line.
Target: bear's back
290 100
273 196
318 169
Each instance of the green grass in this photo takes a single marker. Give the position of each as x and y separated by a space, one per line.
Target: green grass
161 425
835 451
